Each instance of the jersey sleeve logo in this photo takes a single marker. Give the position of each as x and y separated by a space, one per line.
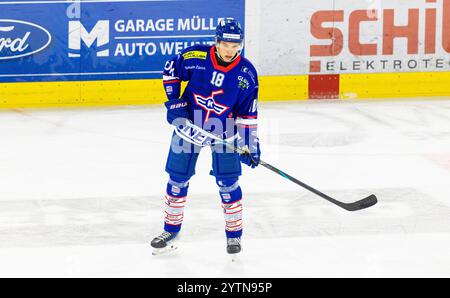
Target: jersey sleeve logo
209 104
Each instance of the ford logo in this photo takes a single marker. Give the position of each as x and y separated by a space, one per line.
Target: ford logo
19 39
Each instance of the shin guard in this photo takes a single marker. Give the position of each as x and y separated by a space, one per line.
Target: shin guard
175 201
231 195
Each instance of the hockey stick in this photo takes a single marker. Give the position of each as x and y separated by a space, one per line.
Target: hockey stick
354 206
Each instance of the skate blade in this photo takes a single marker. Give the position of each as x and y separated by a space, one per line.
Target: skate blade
164 250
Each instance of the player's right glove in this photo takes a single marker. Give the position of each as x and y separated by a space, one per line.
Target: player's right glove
176 108
252 153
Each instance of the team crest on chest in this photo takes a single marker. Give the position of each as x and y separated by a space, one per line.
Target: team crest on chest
210 105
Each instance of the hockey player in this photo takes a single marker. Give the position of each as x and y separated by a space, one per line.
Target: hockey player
222 89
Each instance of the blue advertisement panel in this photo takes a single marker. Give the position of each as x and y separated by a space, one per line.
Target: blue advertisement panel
103 40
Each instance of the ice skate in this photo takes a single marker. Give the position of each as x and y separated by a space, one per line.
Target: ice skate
233 245
164 243
234 249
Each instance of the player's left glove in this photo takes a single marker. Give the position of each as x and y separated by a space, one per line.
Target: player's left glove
176 109
252 154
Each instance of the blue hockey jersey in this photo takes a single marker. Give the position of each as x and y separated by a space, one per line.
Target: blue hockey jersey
214 93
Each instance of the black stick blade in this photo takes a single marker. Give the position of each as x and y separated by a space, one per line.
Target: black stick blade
362 204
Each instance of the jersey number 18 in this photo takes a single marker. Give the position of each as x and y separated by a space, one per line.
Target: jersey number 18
217 79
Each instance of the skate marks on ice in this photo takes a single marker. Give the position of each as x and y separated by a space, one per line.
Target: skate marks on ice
318 139
103 221
349 123
113 123
399 210
88 221
312 128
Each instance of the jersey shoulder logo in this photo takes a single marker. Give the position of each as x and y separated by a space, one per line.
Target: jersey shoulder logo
194 54
209 104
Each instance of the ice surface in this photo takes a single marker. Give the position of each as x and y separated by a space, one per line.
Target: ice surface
81 194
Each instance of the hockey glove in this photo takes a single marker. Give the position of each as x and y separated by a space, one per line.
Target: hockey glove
176 108
252 154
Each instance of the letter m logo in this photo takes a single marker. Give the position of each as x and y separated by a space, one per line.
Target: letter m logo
78 34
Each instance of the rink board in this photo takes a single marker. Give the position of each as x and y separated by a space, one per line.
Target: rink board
272 88
84 57
126 92
386 85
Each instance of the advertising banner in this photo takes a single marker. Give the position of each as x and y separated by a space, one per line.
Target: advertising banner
380 36
103 40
